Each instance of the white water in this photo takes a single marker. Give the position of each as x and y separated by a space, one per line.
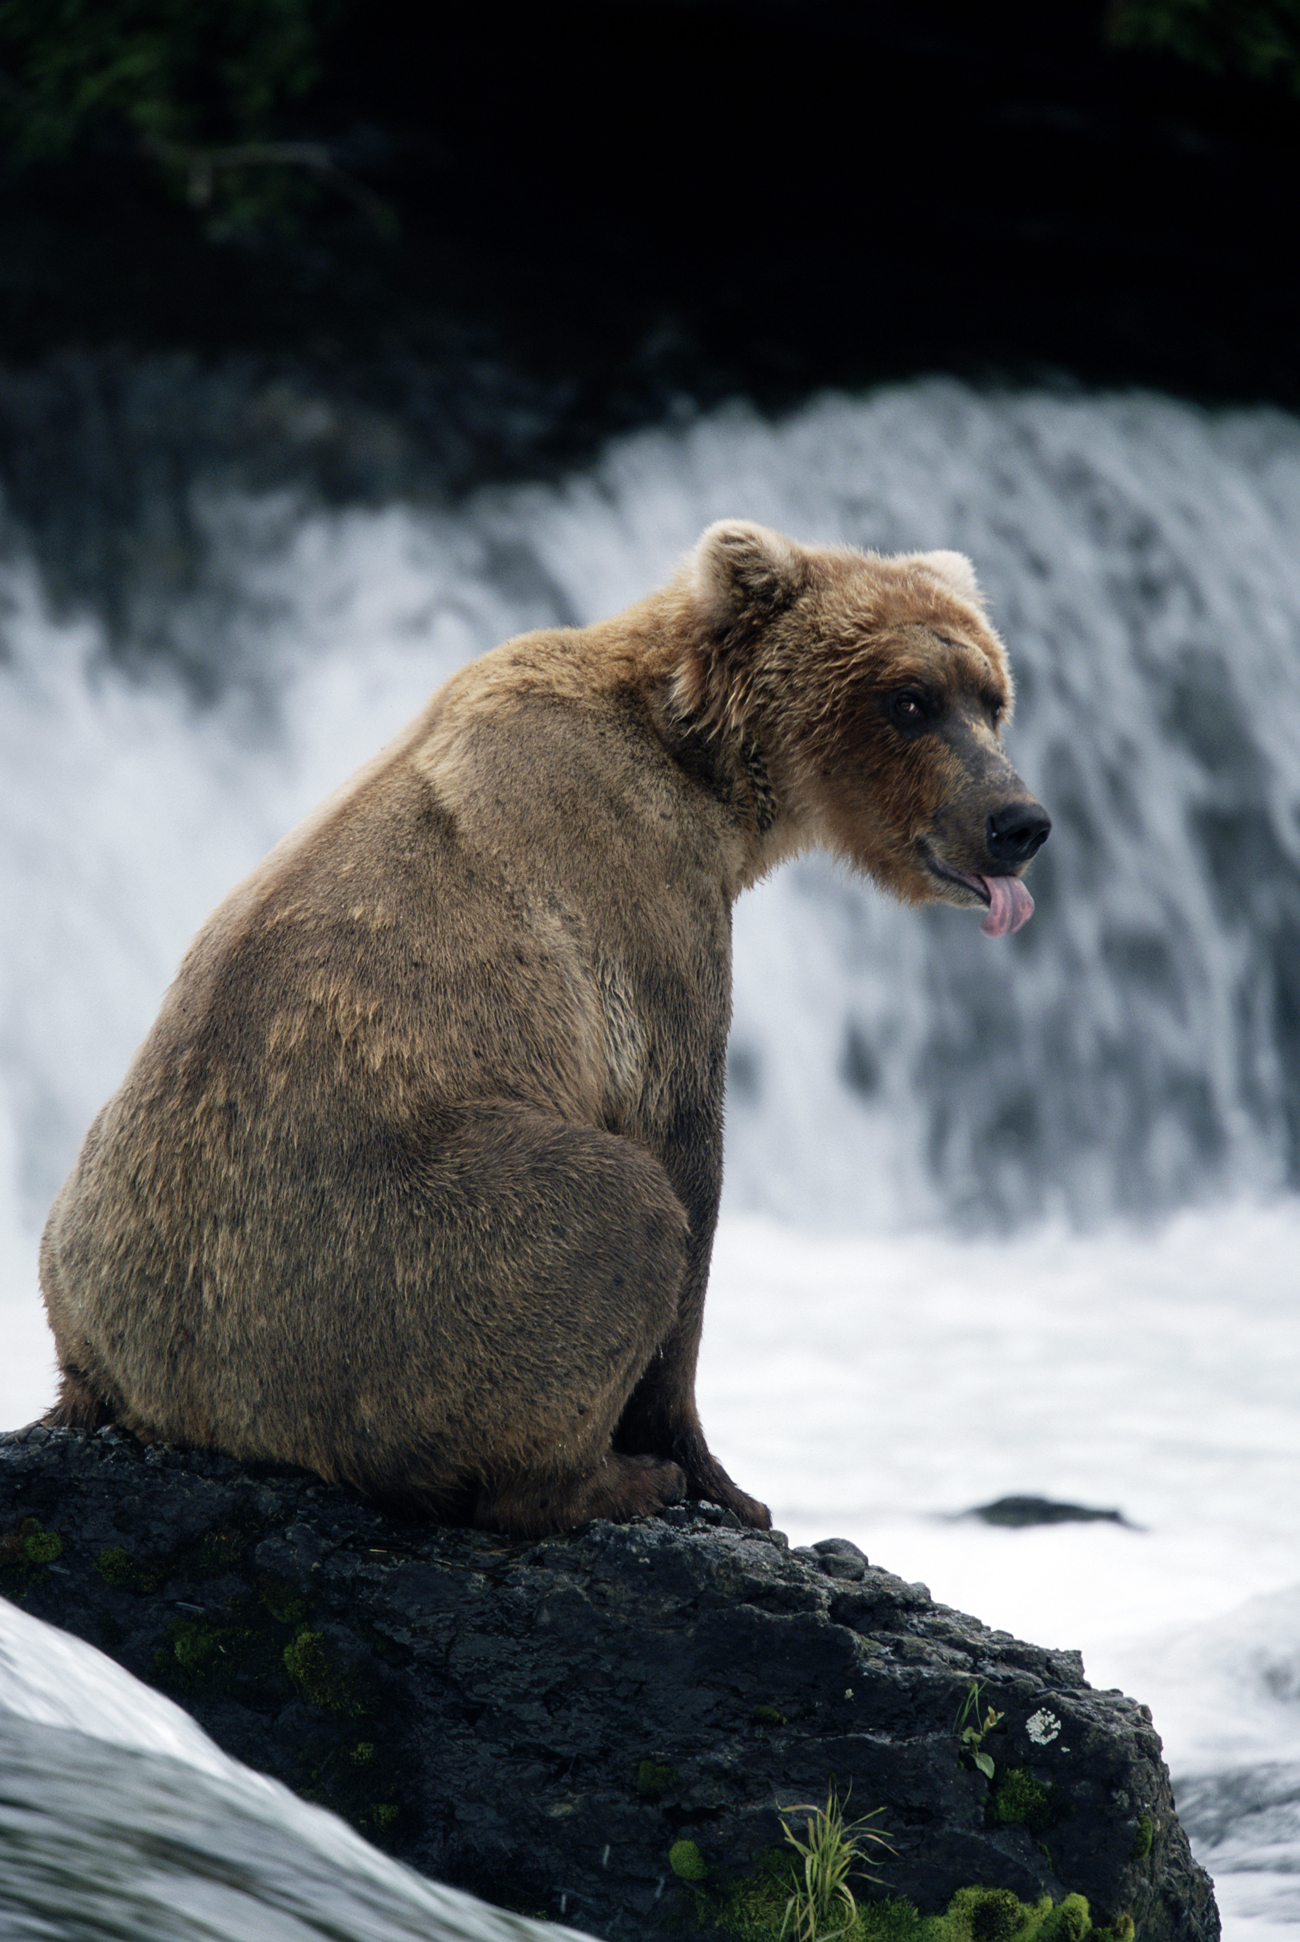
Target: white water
119 1817
925 1294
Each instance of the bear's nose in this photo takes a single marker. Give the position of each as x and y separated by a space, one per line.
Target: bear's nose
1017 831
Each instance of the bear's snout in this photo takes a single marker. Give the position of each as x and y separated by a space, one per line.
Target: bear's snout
1016 832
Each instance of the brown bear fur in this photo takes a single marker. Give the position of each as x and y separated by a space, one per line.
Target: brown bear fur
414 1180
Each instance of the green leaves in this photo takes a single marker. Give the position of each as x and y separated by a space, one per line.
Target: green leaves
197 86
173 70
1257 38
971 1729
831 1849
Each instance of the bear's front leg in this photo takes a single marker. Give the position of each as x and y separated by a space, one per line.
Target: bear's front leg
661 1418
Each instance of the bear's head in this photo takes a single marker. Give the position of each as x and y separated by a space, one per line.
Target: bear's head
875 691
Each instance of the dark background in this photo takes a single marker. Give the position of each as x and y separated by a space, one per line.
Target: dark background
548 224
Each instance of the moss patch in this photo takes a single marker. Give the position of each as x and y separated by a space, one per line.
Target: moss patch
653 1779
755 1910
320 1677
1142 1840
119 1569
203 1655
25 1555
216 1555
262 1649
284 1603
685 1860
1018 1800
992 1914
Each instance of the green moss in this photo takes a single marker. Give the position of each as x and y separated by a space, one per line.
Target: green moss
754 1910
283 1602
350 1749
653 1779
195 1645
217 1554
685 1859
119 1569
25 1555
200 1654
1142 1840
38 1546
996 1915
115 1567
897 1920
321 1679
989 1914
1018 1800
1069 1921
241 1651
1258 38
766 1716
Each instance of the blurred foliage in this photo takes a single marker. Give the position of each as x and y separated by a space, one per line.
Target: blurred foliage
196 85
1256 38
212 92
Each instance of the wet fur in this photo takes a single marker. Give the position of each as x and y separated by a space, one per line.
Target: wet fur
414 1180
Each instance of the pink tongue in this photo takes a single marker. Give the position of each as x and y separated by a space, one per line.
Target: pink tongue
1010 906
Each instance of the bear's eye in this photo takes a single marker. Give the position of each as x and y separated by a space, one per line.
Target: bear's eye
907 707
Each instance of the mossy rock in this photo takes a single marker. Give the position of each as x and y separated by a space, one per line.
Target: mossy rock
653 1778
321 1677
757 1909
1017 1799
25 1555
686 1861
119 1569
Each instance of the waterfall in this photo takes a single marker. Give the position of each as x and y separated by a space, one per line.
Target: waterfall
1135 1048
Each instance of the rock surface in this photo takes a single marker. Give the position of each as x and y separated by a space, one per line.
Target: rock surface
544 1722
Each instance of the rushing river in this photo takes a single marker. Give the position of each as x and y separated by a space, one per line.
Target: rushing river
1001 1216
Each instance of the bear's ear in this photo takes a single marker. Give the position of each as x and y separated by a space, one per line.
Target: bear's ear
956 571
743 571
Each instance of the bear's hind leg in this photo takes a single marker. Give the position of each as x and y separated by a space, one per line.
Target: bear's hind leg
621 1487
80 1406
551 1259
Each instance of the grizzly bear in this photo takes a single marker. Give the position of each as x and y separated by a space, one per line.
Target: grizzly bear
414 1181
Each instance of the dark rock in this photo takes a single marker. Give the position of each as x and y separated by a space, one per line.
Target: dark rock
543 1722
840 1559
1020 1511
